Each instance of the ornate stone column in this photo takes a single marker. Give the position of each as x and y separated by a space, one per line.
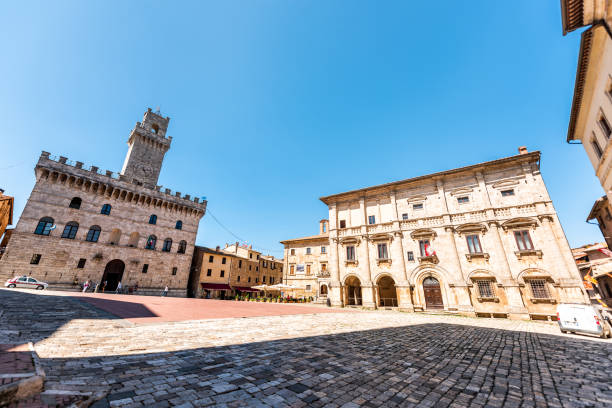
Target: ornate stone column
403 286
335 287
464 302
516 306
367 287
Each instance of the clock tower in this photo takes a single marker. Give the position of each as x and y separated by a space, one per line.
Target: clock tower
148 145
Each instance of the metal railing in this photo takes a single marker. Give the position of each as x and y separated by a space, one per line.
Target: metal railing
388 302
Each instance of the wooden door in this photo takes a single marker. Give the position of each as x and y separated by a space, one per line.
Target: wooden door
433 293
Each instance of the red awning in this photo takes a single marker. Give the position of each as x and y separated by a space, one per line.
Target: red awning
246 289
216 286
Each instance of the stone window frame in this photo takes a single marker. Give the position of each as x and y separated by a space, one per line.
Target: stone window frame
70 230
106 209
44 226
75 203
167 247
35 260
93 234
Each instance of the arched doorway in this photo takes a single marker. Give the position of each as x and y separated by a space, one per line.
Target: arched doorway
353 291
323 291
387 293
113 273
433 293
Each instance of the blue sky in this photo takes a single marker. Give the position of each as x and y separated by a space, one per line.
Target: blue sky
276 103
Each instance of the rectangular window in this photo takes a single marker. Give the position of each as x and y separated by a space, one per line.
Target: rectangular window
307 251
423 243
323 267
238 279
257 269
145 268
463 200
240 263
209 272
507 193
323 250
605 126
211 259
263 279
271 280
418 206
382 251
174 270
596 147
523 240
350 253
539 290
308 269
485 288
222 274
250 267
291 269
410 256
223 260
258 257
292 252
35 259
257 280
81 263
342 223
308 287
249 280
371 219
404 216
473 244
250 256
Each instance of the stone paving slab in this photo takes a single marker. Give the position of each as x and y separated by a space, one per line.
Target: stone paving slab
369 359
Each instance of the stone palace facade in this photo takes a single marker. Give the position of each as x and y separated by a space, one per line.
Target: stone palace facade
83 224
483 239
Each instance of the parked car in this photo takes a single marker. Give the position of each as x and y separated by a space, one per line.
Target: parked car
25 282
579 318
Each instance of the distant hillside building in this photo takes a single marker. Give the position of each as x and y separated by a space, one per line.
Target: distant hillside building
83 224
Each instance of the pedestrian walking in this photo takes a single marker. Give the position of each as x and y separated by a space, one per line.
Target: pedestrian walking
165 291
103 286
118 288
85 286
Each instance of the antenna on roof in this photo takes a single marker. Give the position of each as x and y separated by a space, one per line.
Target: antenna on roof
157 111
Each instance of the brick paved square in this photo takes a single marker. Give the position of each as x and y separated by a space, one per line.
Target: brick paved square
351 359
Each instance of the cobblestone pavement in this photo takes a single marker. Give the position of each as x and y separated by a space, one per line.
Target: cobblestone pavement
380 358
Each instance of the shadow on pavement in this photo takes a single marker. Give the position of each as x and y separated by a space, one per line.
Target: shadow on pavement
435 364
33 317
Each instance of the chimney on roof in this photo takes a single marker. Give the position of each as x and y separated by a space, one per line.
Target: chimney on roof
522 150
236 244
217 248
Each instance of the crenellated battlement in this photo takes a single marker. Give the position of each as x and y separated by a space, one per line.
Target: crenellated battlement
94 174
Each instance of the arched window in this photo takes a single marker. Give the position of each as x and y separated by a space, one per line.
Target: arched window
106 209
153 219
167 245
75 203
133 241
70 230
182 247
93 234
44 226
115 237
151 242
179 224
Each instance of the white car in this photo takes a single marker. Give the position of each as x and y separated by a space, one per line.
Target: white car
579 318
25 282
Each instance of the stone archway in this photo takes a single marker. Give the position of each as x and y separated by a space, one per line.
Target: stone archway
323 291
387 293
433 293
113 273
352 286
